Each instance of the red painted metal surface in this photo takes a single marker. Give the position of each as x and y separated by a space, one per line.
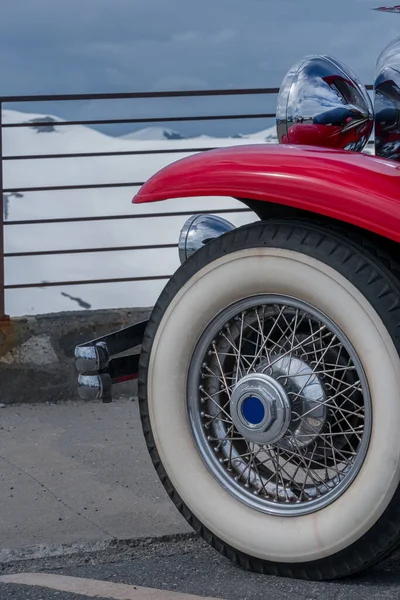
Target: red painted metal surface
356 188
314 134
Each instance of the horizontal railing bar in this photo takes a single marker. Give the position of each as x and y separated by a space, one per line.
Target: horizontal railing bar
18 286
141 120
117 153
89 250
133 95
128 216
84 186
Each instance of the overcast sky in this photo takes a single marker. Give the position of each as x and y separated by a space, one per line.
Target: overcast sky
83 46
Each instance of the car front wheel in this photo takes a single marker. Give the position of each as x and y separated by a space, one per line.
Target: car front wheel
270 399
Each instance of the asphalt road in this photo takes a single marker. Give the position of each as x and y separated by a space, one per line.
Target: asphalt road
80 500
189 566
77 475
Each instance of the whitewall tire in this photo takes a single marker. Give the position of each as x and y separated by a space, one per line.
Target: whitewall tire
322 538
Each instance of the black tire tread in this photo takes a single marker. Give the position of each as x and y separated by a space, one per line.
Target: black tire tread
377 276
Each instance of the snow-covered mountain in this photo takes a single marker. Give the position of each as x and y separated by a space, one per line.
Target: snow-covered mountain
153 133
163 133
266 135
20 205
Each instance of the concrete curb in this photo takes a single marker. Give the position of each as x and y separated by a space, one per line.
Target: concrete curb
37 353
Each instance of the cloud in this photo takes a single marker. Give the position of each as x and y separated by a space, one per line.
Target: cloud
94 46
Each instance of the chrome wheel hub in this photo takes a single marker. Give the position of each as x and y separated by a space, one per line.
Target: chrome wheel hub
261 405
260 409
279 405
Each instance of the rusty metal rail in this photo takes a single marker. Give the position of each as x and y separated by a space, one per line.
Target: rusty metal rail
5 100
2 290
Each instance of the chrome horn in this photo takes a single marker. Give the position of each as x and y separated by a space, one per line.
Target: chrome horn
197 231
322 103
387 102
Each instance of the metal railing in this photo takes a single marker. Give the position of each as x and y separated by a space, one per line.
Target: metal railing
4 286
114 96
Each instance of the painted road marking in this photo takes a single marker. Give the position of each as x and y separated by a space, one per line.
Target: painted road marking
94 588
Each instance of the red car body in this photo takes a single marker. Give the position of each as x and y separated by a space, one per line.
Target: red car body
355 188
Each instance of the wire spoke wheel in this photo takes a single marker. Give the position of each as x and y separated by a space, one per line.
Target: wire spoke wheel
279 405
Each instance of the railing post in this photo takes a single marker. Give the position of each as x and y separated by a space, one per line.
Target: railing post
2 291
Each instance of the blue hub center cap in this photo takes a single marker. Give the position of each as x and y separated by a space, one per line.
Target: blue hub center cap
253 410
260 408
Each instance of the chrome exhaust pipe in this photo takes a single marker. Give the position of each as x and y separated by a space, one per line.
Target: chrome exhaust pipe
198 230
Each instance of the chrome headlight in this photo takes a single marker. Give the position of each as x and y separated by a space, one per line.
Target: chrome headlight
387 102
322 103
198 230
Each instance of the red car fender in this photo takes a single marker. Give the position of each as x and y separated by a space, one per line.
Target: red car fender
356 188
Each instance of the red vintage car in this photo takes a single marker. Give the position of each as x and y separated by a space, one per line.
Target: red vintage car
269 369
